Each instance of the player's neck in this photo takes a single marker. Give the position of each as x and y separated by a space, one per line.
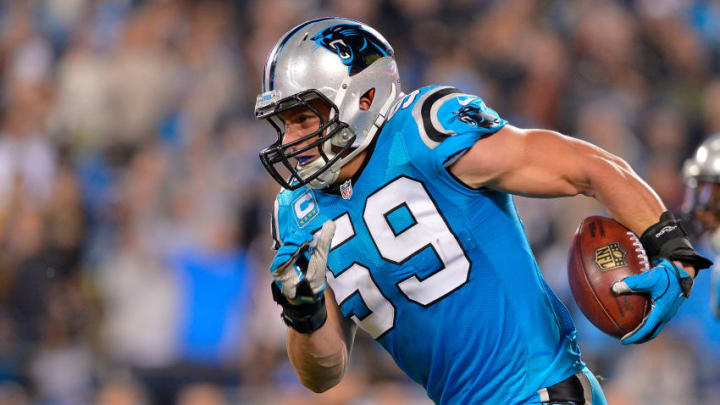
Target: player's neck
352 167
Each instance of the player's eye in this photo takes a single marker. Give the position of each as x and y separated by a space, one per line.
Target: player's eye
306 119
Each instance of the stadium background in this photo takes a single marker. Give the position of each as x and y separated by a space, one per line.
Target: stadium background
134 210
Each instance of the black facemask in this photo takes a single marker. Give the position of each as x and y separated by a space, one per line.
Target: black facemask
276 157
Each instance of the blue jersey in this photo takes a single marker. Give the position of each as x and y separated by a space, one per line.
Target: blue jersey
441 275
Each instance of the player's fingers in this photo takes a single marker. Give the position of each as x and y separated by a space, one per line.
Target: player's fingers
653 324
631 284
646 330
290 249
326 234
678 299
286 255
318 262
318 258
645 282
652 334
286 250
655 332
287 279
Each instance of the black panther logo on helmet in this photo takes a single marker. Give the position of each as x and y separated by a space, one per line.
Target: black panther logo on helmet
355 46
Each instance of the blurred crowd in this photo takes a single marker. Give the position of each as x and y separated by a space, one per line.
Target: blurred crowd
133 209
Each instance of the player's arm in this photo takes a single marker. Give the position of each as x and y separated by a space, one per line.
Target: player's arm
319 337
542 163
320 358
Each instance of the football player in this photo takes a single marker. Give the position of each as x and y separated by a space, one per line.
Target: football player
702 203
402 204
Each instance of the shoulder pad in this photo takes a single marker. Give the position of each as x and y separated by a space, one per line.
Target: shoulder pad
441 112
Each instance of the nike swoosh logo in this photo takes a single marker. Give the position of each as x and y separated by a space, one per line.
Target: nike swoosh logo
466 101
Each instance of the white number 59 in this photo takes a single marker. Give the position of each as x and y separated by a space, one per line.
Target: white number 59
428 230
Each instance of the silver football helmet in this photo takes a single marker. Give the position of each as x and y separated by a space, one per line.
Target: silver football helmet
702 177
336 61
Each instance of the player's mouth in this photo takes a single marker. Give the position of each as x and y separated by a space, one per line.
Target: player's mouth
305 160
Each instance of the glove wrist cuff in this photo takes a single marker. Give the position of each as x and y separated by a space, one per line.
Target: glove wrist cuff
304 318
668 239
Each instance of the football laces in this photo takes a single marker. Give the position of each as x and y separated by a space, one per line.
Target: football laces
640 251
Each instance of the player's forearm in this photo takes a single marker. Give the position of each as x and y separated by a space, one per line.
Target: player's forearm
626 196
319 358
628 199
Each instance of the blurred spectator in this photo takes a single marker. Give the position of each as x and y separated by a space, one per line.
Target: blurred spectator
139 297
711 105
27 160
13 394
120 392
662 371
201 394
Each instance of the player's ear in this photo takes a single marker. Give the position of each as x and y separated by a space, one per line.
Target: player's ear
367 99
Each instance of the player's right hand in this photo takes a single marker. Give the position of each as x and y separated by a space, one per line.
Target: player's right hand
668 286
299 265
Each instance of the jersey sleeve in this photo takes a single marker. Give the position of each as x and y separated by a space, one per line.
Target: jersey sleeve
280 222
447 122
292 211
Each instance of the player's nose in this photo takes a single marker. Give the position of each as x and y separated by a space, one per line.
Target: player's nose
292 134
296 133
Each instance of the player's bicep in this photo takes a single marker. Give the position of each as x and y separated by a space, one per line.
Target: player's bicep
535 163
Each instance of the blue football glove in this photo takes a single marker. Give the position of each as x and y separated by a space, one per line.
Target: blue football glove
667 285
299 265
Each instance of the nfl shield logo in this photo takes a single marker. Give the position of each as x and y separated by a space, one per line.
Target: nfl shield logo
346 189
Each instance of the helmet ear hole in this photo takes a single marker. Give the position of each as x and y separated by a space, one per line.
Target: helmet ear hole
367 99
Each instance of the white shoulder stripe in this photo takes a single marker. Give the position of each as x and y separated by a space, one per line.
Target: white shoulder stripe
426 116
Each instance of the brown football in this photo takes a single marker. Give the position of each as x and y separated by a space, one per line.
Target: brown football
602 252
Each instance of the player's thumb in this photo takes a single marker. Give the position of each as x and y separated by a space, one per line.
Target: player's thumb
627 285
621 287
643 282
318 261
